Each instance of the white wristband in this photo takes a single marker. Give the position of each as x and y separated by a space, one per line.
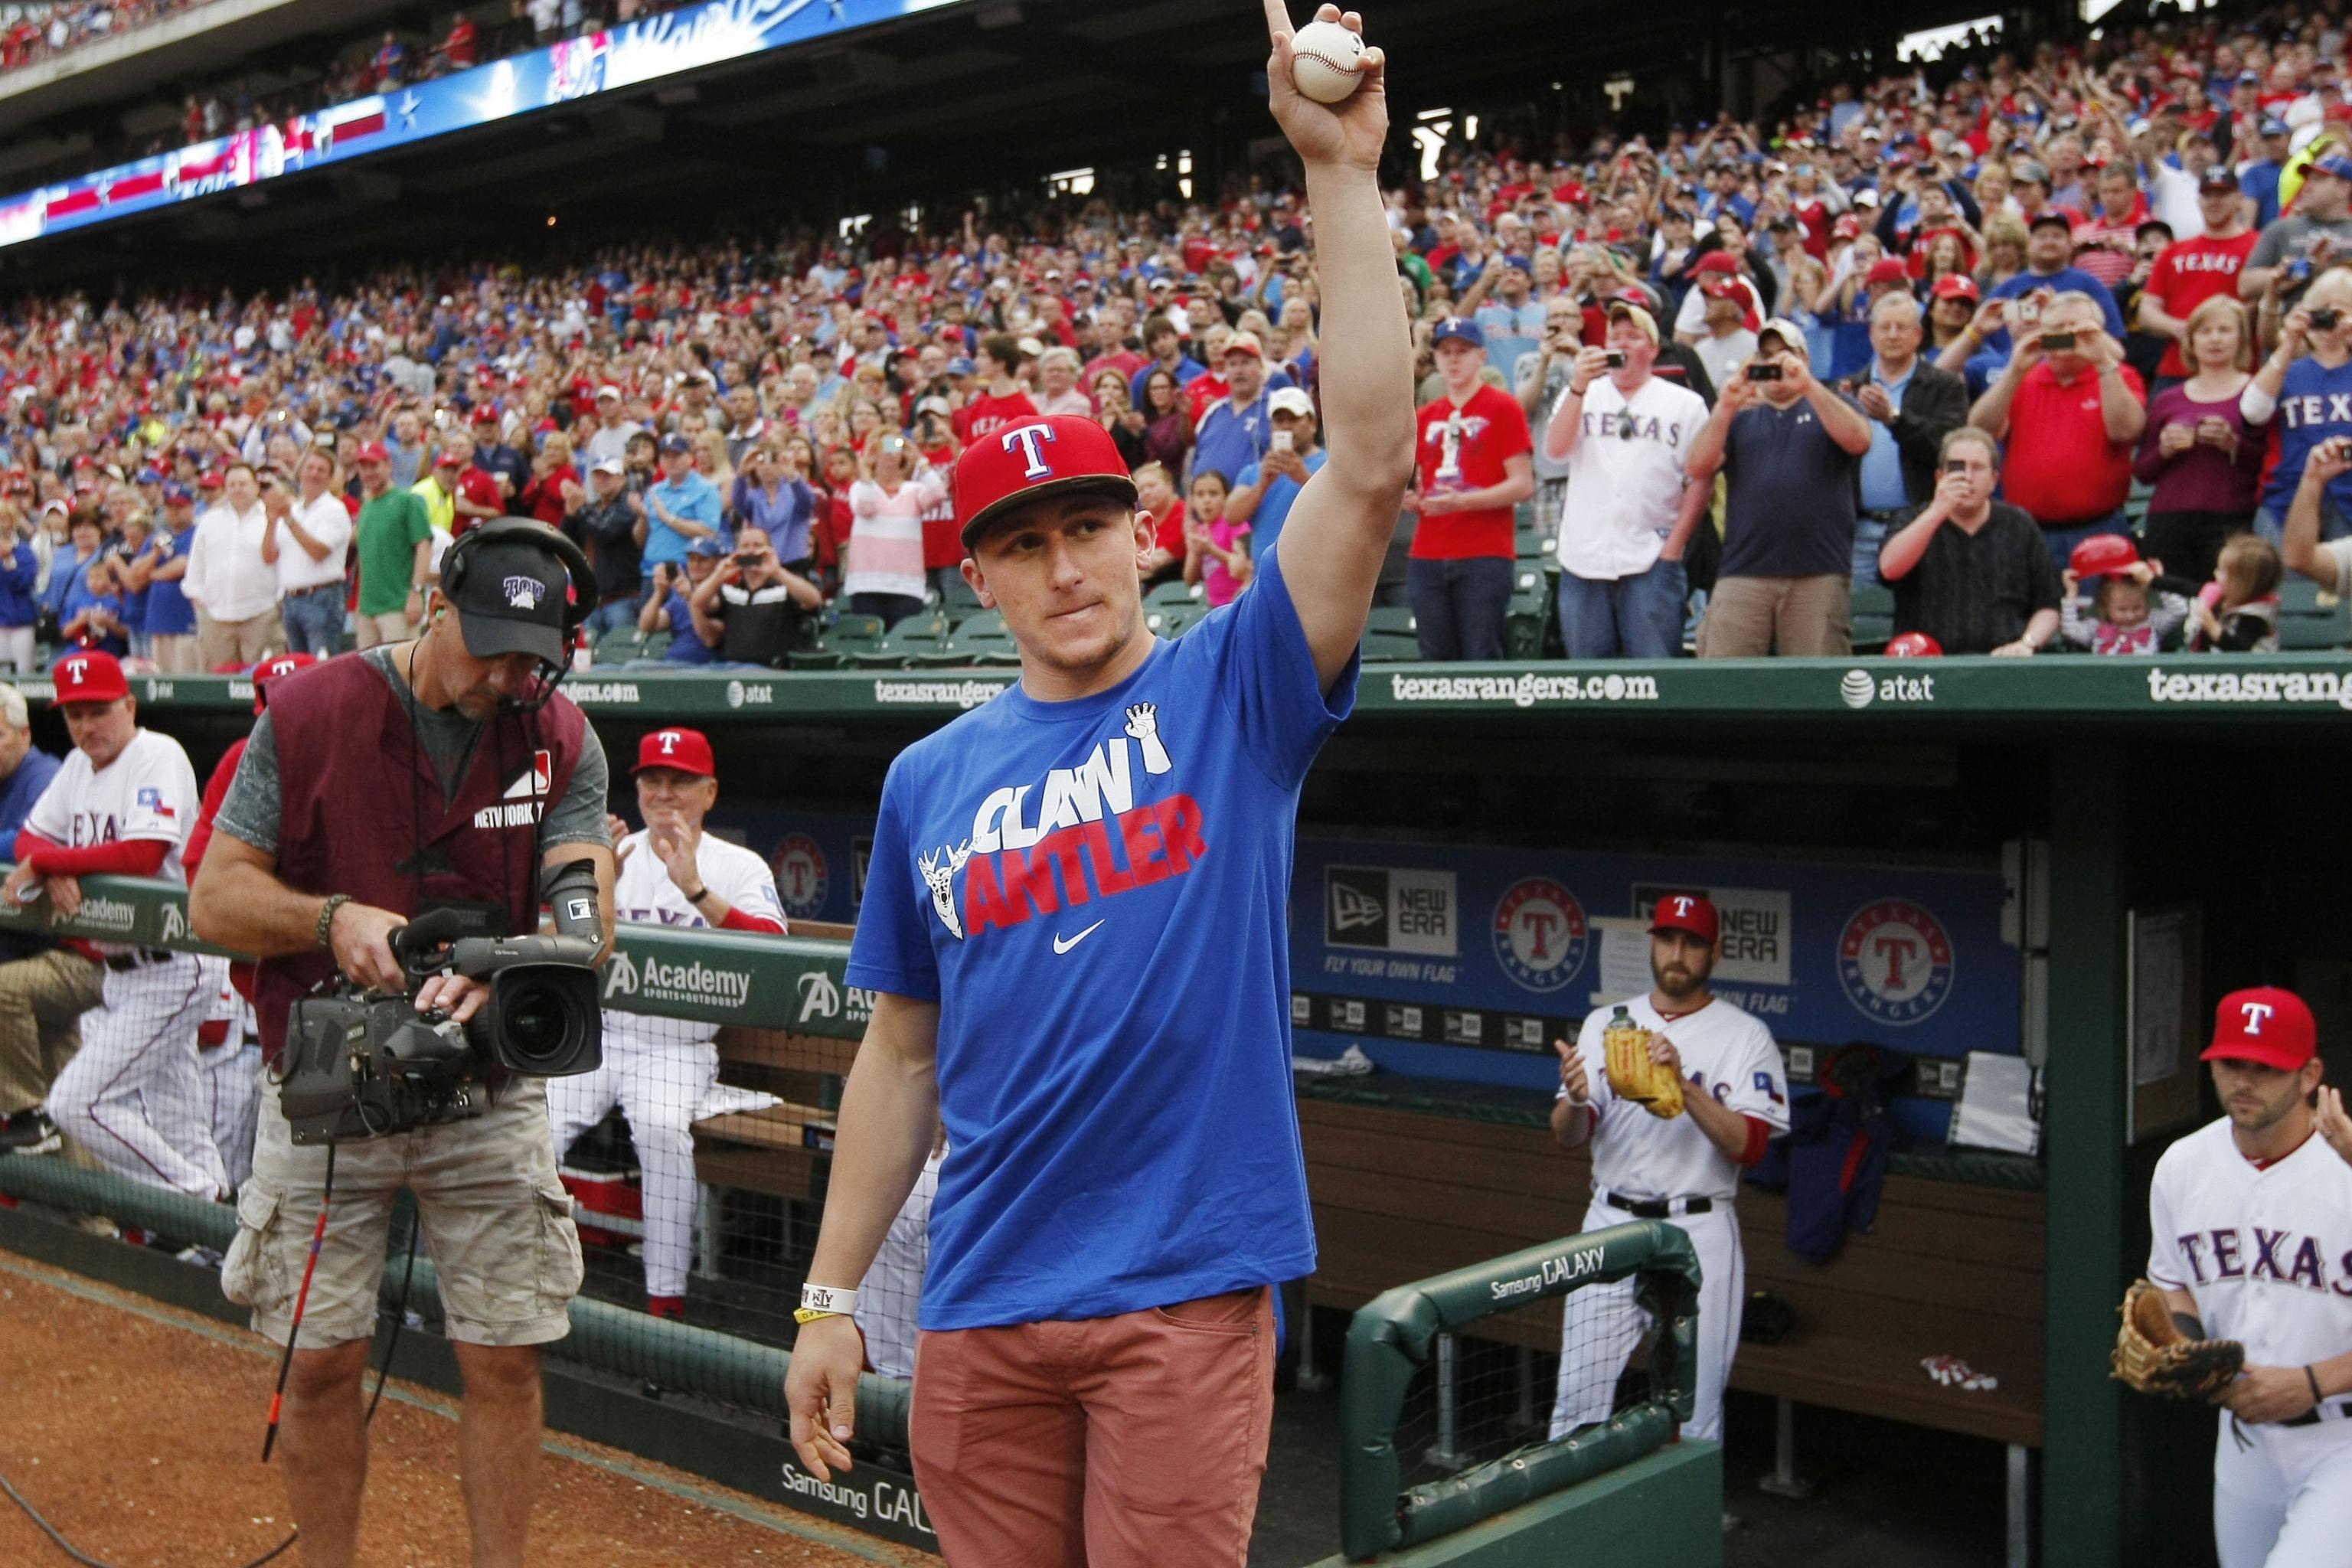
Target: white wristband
828 1299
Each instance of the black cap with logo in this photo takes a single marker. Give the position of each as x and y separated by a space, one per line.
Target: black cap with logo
510 598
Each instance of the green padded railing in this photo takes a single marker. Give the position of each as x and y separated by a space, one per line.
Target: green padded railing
712 976
1392 1339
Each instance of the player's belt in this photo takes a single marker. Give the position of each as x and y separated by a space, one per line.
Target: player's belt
1657 1208
138 959
2318 1413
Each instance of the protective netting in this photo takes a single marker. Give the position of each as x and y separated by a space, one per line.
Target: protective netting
1478 1398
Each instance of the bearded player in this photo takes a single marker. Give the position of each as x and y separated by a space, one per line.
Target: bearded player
2251 1221
1683 1170
1093 1377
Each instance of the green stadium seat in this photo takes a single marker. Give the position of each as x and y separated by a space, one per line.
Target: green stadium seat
906 644
655 644
1527 623
836 644
1871 633
1390 636
1874 600
1176 595
2299 595
1172 620
619 646
2308 633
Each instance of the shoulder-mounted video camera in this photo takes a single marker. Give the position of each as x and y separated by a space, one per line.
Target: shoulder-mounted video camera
360 1064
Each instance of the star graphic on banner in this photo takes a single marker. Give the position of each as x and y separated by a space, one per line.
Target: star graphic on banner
409 104
105 191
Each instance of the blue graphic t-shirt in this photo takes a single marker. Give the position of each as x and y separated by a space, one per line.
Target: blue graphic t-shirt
1095 893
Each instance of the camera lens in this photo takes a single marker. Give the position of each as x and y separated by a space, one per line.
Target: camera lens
538 1026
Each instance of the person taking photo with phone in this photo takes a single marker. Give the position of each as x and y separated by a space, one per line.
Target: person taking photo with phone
1788 445
2071 412
2304 386
1622 434
752 609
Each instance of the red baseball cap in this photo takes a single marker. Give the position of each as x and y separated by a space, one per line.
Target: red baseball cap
1049 455
2265 1025
679 749
1716 261
90 677
372 452
1691 912
2104 554
1722 288
1886 269
1955 286
1914 645
269 669
210 480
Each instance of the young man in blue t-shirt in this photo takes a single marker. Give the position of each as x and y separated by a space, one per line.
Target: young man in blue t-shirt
1124 1181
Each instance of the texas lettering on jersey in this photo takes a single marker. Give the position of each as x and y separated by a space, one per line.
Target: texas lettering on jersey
1079 836
2231 1253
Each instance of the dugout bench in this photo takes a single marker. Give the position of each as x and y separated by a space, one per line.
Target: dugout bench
1407 1174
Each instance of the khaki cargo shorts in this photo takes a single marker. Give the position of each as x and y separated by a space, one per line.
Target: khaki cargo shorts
496 1226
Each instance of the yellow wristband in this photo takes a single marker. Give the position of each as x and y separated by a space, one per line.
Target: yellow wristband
806 1315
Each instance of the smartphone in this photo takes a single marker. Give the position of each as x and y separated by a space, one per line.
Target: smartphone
2324 317
2299 270
747 558
2055 342
1763 373
1281 440
1614 359
2025 312
1957 466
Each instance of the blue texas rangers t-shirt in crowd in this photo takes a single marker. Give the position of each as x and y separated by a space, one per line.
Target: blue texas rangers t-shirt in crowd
1095 893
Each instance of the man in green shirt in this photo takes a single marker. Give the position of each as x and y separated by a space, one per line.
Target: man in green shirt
394 540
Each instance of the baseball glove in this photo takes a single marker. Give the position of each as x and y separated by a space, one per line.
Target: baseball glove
2155 1357
1633 1076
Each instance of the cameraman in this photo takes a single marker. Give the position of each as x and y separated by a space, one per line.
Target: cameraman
416 776
751 609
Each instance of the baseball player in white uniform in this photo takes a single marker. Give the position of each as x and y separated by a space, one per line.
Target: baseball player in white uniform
2253 1241
1686 1170
123 803
893 1285
658 1069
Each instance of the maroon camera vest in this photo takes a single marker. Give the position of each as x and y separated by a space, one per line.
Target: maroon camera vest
362 809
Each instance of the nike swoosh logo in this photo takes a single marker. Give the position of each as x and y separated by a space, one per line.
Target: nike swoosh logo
1064 943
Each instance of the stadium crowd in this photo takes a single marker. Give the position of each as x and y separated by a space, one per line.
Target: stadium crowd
2054 349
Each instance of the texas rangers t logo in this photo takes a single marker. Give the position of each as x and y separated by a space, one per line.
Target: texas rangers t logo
1682 907
2257 1014
1028 437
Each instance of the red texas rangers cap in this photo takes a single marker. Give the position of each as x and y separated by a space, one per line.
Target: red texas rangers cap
681 750
93 677
1045 455
1687 912
269 669
2265 1025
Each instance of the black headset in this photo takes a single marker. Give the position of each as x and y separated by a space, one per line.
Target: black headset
531 531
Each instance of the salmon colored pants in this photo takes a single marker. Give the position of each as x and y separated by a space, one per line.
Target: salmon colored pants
1135 1441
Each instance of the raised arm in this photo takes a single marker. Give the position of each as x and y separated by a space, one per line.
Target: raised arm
1339 528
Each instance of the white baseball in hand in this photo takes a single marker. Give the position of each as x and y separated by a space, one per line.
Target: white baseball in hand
1326 61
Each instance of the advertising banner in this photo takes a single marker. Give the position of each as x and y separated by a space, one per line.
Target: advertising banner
568 70
1464 962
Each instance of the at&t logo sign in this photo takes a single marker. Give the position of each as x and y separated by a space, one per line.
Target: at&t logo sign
1894 960
1539 933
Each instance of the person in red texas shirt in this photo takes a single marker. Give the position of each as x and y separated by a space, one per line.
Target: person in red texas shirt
1476 462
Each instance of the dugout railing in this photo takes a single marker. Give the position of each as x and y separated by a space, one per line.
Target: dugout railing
1393 1339
776 984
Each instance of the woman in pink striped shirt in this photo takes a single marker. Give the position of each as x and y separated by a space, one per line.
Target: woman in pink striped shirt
883 573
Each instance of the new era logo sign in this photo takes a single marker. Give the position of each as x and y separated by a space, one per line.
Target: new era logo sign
524 593
1355 908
